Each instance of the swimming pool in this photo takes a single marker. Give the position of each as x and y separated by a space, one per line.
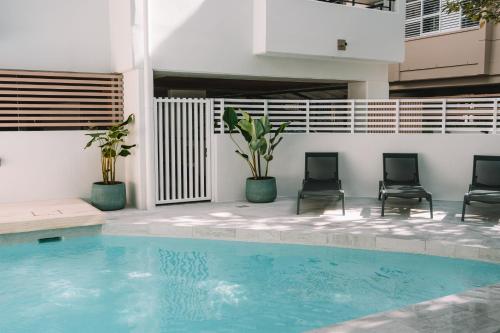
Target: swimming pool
138 284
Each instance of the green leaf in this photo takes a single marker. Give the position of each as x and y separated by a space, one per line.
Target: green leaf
130 119
230 118
246 126
96 135
268 157
263 146
254 145
128 146
281 128
124 153
267 124
245 134
259 130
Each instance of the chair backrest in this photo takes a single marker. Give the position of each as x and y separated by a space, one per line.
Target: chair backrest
401 169
486 171
322 166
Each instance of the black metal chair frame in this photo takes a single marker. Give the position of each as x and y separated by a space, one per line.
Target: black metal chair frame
385 184
334 192
468 197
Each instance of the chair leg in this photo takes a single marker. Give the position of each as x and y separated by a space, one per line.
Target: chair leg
430 206
343 205
463 209
383 205
419 199
379 188
298 202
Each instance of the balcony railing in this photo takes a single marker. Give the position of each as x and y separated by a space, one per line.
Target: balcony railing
387 5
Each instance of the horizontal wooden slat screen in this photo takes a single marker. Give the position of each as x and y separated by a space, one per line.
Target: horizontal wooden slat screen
35 100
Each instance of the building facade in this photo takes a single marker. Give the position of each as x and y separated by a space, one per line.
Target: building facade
446 55
341 42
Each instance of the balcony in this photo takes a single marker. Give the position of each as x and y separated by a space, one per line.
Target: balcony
329 29
370 4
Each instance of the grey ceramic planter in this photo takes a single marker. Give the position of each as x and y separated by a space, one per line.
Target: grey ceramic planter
108 197
261 190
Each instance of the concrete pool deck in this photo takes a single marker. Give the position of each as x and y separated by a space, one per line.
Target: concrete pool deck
47 215
322 223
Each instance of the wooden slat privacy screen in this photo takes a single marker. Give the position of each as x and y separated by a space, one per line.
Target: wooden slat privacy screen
33 100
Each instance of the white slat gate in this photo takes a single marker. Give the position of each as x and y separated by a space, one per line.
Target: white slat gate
183 130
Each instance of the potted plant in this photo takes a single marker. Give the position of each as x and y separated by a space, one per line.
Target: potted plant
110 194
261 141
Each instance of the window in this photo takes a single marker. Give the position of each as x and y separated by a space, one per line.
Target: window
426 17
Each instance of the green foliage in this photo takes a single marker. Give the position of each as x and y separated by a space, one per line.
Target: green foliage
476 10
112 145
259 136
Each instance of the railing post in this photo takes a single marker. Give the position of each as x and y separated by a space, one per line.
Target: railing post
397 115
266 110
221 116
443 117
495 116
307 116
352 115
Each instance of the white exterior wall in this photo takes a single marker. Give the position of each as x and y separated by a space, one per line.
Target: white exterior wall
445 162
307 28
51 35
59 35
215 37
48 165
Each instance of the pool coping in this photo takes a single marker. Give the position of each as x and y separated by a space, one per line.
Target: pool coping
363 241
476 310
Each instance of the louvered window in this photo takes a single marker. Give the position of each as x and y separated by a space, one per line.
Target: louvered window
425 17
33 100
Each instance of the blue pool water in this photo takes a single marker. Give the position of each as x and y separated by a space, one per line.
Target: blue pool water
134 284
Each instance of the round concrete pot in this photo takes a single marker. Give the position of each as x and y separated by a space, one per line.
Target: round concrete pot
261 190
108 196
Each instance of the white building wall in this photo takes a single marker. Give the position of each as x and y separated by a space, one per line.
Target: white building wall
47 165
51 35
60 35
215 37
307 28
445 162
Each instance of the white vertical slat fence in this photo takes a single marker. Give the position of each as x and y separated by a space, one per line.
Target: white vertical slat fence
425 116
183 129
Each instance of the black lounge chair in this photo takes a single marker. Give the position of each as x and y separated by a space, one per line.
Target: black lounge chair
485 185
321 178
401 179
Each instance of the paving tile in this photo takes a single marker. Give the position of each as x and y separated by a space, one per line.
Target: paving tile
214 233
304 237
360 241
400 244
440 248
270 236
170 230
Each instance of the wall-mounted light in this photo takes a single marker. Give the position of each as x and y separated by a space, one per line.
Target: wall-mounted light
341 44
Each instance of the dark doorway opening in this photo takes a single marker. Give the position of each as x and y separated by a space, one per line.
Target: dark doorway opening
203 87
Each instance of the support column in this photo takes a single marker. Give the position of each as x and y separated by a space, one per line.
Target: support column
368 90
